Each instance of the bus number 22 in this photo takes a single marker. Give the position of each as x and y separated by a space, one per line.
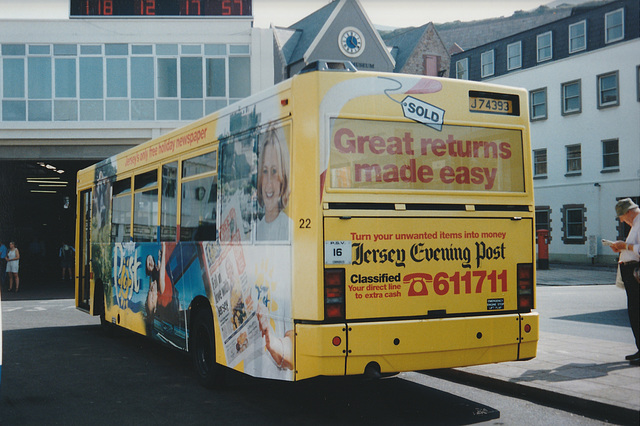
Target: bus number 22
305 223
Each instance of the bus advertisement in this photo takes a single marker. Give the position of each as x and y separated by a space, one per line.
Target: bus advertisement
339 223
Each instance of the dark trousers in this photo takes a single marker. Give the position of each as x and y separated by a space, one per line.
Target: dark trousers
632 287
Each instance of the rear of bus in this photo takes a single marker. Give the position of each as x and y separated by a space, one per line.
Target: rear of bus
427 216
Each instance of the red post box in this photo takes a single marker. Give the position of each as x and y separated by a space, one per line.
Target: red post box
543 248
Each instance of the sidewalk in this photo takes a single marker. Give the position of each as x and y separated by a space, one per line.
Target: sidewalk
587 374
560 274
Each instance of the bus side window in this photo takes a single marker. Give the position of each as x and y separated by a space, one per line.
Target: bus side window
238 187
169 202
198 206
145 207
121 211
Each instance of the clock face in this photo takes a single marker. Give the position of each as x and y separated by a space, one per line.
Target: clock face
351 41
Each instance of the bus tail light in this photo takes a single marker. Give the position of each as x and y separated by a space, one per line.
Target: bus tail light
334 294
525 287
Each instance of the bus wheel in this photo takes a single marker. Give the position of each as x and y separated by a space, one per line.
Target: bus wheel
203 350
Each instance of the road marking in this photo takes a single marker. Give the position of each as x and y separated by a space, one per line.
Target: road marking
39 306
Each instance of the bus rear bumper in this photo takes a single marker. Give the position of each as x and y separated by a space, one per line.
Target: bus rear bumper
412 345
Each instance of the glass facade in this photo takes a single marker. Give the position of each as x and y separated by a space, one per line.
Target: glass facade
120 82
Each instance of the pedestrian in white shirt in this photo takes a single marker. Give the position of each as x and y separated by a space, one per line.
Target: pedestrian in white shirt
629 213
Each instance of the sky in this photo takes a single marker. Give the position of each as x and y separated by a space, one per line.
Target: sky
283 13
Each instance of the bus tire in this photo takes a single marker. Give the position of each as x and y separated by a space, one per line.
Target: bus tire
203 350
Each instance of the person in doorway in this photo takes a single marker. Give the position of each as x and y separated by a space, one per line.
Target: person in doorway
629 261
13 264
66 255
3 263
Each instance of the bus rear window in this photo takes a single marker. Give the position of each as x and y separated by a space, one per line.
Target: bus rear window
384 155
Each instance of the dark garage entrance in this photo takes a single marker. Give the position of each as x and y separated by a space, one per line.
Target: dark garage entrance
37 211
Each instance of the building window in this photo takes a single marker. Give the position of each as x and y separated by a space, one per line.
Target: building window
65 104
167 77
578 37
608 90
168 107
14 106
514 55
544 44
610 155
117 91
239 72
543 218
215 77
39 83
540 163
538 104
574 160
119 81
191 87
574 224
614 26
487 63
571 98
462 69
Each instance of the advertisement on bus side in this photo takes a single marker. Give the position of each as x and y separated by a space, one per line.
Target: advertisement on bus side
234 248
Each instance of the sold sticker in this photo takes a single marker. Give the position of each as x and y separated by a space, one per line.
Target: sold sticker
422 112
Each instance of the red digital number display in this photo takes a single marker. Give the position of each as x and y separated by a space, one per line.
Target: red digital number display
133 8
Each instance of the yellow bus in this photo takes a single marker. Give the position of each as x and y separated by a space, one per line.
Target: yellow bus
339 223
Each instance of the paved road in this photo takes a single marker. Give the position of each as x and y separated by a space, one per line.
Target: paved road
58 358
61 369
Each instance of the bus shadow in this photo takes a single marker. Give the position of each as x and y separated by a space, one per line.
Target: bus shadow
63 374
572 371
329 400
617 317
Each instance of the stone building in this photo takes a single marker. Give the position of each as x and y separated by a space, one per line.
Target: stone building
419 51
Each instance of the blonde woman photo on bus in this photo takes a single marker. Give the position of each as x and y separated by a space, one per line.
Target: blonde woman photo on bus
273 186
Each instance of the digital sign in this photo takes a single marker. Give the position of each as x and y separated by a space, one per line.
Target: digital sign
170 8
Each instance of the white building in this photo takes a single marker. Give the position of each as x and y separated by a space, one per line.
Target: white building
78 90
95 86
583 77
